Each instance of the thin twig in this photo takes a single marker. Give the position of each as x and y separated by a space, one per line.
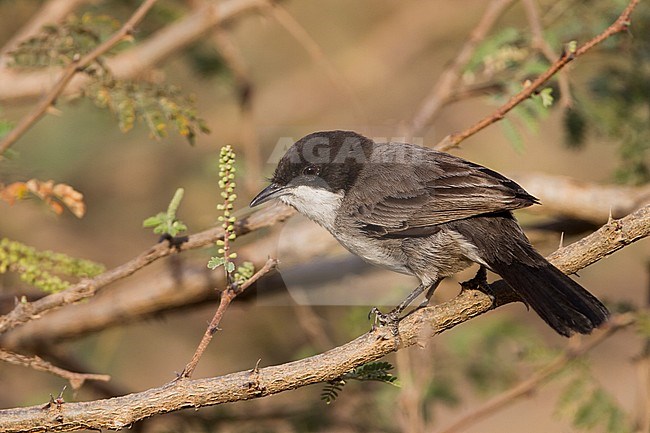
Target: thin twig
621 24
36 363
446 85
541 44
26 311
148 53
227 296
51 12
525 387
77 65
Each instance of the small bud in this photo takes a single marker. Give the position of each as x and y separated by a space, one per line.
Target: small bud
233 255
232 236
232 197
221 251
220 242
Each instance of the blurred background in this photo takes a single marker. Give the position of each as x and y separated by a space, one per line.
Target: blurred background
263 79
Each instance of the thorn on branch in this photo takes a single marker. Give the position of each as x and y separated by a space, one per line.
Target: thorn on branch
56 402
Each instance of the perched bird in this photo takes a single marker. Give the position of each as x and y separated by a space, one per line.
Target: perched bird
425 213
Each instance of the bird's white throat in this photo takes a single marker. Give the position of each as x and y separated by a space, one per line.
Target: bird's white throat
317 204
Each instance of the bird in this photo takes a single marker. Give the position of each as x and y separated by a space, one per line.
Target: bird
429 214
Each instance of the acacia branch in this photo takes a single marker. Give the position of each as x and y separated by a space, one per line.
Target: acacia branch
444 89
36 363
154 294
227 296
77 65
25 312
53 11
621 24
143 56
120 412
586 201
542 45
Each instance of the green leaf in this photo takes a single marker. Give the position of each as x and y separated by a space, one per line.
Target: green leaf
215 262
154 220
546 96
230 266
43 269
166 222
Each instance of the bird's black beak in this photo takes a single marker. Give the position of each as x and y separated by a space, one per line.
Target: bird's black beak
269 193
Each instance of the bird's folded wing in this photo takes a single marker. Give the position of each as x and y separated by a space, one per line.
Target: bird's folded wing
405 200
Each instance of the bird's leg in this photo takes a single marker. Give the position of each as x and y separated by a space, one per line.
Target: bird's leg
392 317
427 297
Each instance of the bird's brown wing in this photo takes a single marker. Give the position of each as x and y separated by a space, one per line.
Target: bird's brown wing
405 200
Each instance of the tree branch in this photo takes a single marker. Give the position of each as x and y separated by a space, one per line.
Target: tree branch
120 412
70 71
227 296
24 312
542 45
444 89
621 24
586 201
36 363
165 291
143 56
53 11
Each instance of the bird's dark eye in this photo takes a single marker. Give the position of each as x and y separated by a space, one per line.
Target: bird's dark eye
311 170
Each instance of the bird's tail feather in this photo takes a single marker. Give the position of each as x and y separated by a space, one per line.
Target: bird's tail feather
564 304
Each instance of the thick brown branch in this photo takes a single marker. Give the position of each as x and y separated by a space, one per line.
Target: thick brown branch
123 411
621 24
70 71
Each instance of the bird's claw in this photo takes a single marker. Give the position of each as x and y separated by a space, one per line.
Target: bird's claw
390 319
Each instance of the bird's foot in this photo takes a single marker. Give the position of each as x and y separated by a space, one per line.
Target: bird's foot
479 282
389 320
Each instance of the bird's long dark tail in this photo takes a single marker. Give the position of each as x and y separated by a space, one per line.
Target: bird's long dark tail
564 304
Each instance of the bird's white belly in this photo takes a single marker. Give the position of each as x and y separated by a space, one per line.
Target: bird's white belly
370 250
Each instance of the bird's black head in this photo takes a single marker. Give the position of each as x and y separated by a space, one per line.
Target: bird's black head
327 160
